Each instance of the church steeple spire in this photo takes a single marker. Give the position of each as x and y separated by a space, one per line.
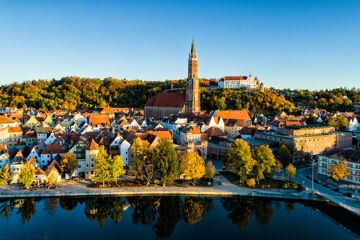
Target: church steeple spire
192 52
192 104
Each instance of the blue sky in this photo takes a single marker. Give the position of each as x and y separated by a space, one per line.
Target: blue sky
287 44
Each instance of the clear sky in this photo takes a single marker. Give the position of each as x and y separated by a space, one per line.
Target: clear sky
310 44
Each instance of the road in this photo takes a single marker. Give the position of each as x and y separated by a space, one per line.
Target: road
352 204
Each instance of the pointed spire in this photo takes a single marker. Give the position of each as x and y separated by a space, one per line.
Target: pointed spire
193 53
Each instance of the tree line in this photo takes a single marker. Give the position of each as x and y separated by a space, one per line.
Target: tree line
339 99
75 93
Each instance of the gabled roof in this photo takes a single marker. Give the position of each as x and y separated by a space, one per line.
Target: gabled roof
215 132
234 114
97 119
53 149
4 119
29 134
190 130
167 100
92 145
16 129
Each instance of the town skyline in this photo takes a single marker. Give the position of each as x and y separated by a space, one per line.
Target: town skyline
302 47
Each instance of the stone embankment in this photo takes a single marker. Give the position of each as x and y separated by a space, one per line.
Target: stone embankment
221 188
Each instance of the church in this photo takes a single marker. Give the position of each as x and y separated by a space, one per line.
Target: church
165 104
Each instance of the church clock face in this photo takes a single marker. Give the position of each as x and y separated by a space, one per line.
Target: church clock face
189 82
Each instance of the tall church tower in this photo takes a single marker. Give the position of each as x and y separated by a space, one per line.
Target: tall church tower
192 104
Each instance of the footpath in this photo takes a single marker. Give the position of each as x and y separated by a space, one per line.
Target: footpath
222 187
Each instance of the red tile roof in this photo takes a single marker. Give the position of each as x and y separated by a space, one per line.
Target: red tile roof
99 120
53 149
234 114
235 77
215 132
14 130
4 119
167 100
92 145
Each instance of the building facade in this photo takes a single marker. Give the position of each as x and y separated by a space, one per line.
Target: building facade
351 158
192 84
247 82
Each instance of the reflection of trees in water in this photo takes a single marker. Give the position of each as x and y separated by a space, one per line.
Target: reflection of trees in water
51 205
145 209
5 209
103 208
169 215
27 209
193 210
241 210
263 211
68 204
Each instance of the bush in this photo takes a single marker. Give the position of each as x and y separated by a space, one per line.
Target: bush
290 185
250 182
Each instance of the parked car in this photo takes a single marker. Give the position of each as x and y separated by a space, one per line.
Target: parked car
336 189
309 177
350 195
327 185
317 181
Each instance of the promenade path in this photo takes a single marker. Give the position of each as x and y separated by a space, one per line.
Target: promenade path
221 187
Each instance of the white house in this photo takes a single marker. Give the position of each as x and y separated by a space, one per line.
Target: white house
353 124
4 158
352 160
216 122
34 153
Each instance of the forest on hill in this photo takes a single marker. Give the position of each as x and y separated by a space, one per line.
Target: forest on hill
339 99
75 93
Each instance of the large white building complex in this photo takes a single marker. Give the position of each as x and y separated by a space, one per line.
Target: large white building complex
248 82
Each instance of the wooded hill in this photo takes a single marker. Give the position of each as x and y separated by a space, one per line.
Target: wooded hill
75 93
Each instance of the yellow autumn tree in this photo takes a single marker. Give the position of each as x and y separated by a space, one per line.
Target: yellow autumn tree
290 170
193 166
339 170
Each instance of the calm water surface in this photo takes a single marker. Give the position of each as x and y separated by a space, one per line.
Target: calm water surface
173 218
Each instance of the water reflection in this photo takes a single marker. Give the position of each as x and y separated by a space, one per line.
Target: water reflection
162 214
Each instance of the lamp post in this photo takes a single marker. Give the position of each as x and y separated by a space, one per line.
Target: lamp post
312 178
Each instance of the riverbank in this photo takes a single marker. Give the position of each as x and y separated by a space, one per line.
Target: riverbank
221 188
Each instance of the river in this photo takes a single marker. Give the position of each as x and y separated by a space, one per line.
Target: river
173 217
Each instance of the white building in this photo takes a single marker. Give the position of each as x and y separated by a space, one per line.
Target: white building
352 159
239 82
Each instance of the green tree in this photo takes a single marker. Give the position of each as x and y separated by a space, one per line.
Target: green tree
68 163
143 165
265 161
193 166
117 167
339 122
102 166
167 161
239 158
5 175
285 155
27 174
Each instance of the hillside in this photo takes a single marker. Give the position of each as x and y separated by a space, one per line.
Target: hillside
75 93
